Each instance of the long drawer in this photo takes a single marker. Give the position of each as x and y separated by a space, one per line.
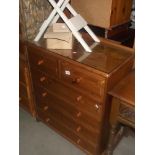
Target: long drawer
79 115
77 126
83 79
48 65
91 107
59 125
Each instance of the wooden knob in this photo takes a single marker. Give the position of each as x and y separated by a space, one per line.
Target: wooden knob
47 120
20 98
96 107
40 62
42 79
78 114
44 94
78 129
45 108
79 98
76 80
78 141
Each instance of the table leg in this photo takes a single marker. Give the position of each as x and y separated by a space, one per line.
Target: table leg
111 145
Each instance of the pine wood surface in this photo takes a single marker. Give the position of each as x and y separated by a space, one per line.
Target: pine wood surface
25 85
123 109
104 13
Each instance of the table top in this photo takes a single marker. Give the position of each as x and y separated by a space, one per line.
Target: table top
105 56
125 89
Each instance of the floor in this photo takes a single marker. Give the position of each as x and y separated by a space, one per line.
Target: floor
37 139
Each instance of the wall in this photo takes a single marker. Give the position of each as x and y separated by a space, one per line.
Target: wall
32 13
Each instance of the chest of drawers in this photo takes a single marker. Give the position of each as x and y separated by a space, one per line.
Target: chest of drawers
71 95
25 86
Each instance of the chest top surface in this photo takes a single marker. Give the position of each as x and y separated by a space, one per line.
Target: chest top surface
104 57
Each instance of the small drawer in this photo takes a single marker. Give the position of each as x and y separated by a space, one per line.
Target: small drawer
83 79
66 131
75 99
45 63
127 112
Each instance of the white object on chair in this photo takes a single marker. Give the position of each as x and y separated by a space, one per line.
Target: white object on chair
75 23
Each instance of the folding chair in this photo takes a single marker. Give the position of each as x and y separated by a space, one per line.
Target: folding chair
75 24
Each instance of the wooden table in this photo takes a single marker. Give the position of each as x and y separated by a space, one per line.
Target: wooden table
123 108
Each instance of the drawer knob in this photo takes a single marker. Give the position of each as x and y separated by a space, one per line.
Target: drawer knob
47 120
45 108
78 129
20 98
44 94
79 98
78 141
76 80
40 62
97 107
42 79
78 114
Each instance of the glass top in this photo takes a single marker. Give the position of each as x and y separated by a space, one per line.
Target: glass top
103 57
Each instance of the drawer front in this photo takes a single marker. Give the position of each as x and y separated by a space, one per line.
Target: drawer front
44 98
65 131
127 112
43 63
78 100
79 128
83 79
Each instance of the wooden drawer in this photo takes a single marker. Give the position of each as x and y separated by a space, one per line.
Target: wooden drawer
65 130
75 124
44 98
82 79
48 65
76 99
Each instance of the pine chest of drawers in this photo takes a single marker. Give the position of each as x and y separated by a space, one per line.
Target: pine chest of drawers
70 88
25 86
